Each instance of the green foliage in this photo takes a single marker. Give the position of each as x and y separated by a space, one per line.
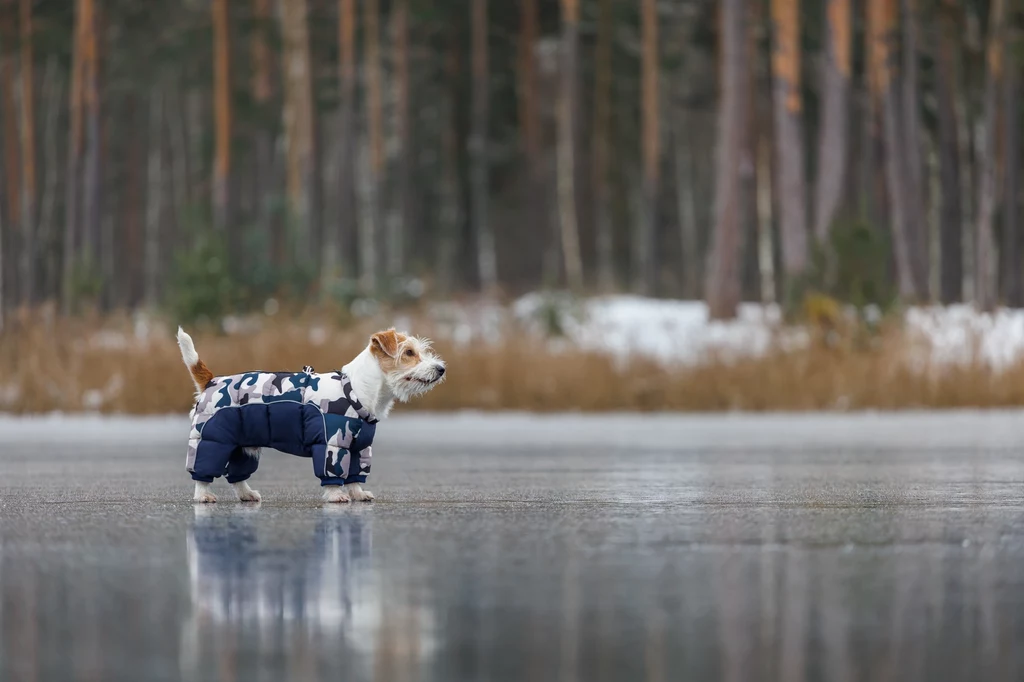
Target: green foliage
202 288
86 283
209 282
555 311
851 268
261 278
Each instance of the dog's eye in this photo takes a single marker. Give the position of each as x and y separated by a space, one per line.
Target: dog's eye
409 353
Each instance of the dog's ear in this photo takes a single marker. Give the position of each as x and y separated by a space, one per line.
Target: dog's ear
385 343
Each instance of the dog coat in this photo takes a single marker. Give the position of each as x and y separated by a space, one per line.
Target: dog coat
304 414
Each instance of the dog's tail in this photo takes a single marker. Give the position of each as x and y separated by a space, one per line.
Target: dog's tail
201 374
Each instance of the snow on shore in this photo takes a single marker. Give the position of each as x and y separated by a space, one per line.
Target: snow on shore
679 332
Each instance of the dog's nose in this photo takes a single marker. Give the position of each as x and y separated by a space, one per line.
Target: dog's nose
440 370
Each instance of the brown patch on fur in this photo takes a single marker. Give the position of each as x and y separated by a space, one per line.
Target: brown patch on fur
394 350
408 354
384 345
201 374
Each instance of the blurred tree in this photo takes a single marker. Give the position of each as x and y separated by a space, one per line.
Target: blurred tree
1012 289
11 140
912 151
645 272
298 122
882 17
28 160
834 127
601 146
789 141
399 214
451 199
567 214
346 130
951 211
986 265
487 259
91 180
222 116
154 197
722 289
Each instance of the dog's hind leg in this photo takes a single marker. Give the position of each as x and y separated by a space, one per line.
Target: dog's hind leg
241 466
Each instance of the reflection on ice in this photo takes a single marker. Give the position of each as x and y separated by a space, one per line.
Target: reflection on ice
311 597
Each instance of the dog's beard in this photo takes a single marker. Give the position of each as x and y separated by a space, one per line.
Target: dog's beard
416 381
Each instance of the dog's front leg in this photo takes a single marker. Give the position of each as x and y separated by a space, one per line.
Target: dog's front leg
202 493
335 493
245 493
356 492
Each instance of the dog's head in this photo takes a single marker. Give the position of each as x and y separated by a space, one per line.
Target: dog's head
410 366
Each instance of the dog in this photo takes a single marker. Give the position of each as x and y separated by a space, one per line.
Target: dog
330 418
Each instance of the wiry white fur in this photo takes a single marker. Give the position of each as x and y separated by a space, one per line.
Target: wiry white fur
202 493
370 383
245 493
379 390
188 349
335 493
357 494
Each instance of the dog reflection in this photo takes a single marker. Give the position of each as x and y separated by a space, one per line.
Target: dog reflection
309 600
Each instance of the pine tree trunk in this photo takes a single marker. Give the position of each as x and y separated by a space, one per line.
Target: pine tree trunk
11 140
222 122
298 120
346 145
3 271
538 205
722 288
601 147
686 206
129 217
951 212
834 129
370 228
264 186
479 178
154 199
72 179
91 172
398 224
28 160
450 200
882 16
646 275
750 274
53 86
985 292
566 152
1013 295
917 226
789 148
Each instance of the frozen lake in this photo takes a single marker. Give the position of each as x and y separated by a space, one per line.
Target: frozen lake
512 547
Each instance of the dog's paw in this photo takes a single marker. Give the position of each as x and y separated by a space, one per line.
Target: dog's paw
356 492
247 494
251 496
334 493
202 493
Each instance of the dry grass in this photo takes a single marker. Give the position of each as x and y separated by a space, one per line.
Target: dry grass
73 365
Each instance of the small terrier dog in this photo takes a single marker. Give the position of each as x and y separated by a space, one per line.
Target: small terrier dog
330 418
